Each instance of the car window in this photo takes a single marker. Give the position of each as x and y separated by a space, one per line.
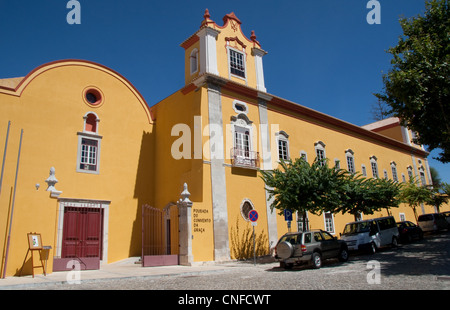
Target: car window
293 239
327 236
373 228
307 238
426 217
318 236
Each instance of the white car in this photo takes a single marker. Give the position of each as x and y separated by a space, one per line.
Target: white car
432 222
371 234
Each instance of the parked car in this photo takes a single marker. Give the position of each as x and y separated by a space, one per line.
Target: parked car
447 216
309 247
432 222
409 231
371 234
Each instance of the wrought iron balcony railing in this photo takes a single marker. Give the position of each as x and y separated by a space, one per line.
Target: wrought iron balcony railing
245 159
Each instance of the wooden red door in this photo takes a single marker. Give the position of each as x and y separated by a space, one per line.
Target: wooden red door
82 232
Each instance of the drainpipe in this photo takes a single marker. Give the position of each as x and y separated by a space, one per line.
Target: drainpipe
12 207
4 156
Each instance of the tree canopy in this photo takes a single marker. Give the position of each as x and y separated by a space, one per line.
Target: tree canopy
317 188
417 88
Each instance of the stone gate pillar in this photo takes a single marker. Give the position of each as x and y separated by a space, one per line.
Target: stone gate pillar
184 223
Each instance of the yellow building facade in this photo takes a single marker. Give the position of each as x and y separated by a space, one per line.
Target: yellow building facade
200 149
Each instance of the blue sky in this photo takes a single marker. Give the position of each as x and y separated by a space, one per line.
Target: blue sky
321 53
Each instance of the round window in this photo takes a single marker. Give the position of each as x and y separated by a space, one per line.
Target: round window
246 207
93 97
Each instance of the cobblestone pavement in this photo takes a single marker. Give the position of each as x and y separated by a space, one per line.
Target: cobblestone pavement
423 265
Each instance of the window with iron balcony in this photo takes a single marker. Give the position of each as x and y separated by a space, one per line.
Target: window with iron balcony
241 153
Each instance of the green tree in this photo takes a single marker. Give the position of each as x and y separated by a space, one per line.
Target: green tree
317 188
367 195
445 188
414 195
299 186
437 199
417 88
436 179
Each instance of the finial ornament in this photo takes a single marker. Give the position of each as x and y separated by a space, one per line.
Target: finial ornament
185 194
206 19
206 16
51 181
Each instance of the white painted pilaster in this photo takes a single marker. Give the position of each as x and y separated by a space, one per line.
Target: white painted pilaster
259 53
208 52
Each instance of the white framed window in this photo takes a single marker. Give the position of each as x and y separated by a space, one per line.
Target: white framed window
394 171
88 153
240 107
245 208
193 59
89 143
242 153
402 217
329 222
242 140
374 167
320 152
410 172
349 155
303 155
422 176
283 145
337 164
236 60
363 170
300 226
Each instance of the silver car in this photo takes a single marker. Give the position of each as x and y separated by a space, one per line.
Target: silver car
432 222
309 247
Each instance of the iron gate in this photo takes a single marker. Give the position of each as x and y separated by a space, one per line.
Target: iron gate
159 236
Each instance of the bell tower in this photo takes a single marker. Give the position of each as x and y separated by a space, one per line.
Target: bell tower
224 51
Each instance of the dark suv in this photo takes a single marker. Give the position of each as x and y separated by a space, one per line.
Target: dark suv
310 247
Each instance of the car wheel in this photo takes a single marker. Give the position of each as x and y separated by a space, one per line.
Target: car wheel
285 250
394 243
372 248
343 255
316 260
